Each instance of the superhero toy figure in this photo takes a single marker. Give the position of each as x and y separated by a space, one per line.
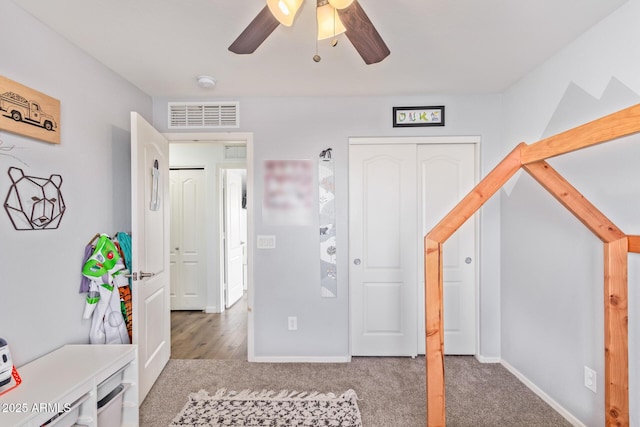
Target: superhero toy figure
105 270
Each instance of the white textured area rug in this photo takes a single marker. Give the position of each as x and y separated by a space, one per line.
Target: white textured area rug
271 409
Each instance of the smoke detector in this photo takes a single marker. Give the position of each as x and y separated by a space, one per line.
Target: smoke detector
206 82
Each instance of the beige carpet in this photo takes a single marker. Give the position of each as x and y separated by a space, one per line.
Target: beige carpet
391 391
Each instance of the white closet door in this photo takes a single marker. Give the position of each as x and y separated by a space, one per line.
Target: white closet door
383 250
397 193
446 174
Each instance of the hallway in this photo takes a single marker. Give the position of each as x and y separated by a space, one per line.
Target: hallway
199 335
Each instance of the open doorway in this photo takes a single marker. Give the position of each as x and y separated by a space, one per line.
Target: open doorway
233 230
219 328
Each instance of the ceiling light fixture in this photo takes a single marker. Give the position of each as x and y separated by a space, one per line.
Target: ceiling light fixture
329 24
284 10
206 82
359 29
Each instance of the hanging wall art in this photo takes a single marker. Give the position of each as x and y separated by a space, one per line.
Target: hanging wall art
326 194
34 203
418 116
28 112
288 192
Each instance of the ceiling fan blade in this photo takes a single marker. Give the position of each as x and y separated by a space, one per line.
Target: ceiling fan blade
362 34
255 33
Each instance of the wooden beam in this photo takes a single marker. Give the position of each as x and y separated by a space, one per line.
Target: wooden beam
575 202
634 244
434 330
616 351
478 196
616 125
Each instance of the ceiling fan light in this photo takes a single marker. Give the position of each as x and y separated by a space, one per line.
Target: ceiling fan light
284 10
340 4
329 23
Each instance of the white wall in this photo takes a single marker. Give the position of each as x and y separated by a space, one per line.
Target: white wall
287 278
552 267
40 307
208 155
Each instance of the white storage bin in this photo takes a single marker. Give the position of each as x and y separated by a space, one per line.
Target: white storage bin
108 385
66 419
110 408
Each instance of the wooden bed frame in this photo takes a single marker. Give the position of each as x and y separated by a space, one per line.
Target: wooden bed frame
617 246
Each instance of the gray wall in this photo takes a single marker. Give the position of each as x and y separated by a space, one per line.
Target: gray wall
40 307
287 278
551 265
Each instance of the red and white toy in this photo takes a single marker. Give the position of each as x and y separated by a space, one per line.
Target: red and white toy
6 365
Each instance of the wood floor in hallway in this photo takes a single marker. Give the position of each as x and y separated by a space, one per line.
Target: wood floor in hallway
198 335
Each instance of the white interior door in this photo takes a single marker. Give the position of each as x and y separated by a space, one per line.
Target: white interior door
383 250
234 245
188 284
397 193
446 174
150 250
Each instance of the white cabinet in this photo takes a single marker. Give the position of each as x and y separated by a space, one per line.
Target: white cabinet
71 380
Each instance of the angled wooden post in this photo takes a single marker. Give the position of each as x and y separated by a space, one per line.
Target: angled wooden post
574 201
478 196
622 123
616 348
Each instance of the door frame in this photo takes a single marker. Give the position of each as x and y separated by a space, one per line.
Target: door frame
423 140
247 139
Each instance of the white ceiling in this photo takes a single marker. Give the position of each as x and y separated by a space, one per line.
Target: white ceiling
437 46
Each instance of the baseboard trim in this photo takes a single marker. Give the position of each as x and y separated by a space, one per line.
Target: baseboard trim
301 359
485 359
210 309
544 396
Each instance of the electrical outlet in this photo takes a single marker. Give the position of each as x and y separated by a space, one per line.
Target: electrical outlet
293 323
590 379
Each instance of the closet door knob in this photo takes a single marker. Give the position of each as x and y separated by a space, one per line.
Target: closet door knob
357 261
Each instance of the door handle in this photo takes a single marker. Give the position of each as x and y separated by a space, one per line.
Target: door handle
132 276
357 261
144 275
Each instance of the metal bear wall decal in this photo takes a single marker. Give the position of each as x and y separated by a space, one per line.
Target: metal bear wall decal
34 203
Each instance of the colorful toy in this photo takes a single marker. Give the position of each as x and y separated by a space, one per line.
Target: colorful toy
104 269
6 365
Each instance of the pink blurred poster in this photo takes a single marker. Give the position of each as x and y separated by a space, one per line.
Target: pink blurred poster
288 192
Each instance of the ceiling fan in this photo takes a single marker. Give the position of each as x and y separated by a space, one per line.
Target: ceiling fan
351 19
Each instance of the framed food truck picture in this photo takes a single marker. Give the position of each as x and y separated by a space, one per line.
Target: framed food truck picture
27 112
